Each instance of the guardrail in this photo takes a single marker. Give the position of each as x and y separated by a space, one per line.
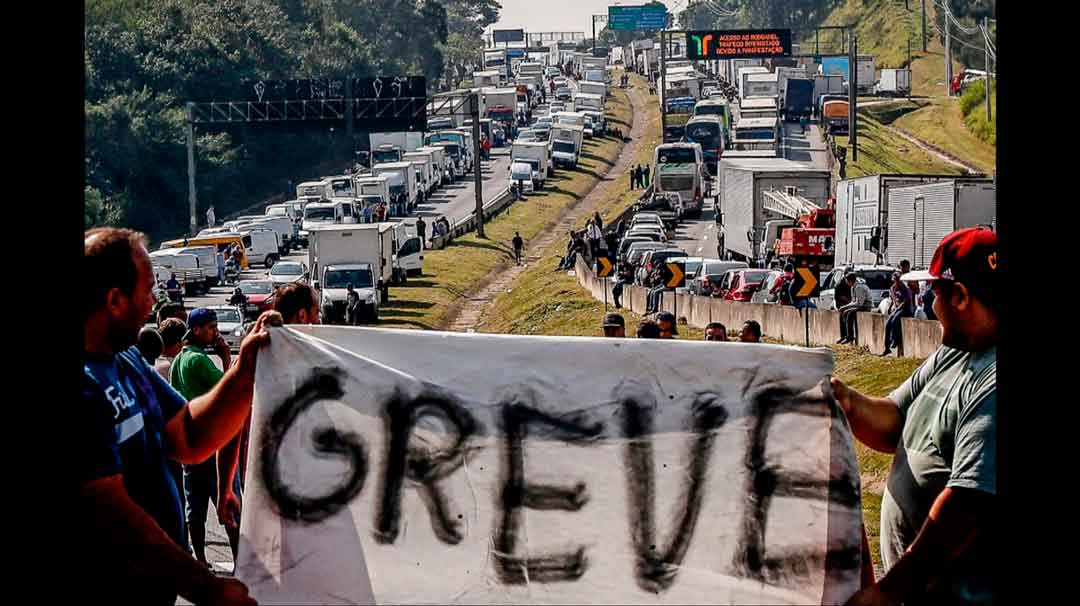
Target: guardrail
467 224
921 337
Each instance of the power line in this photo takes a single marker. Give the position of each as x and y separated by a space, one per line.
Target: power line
719 10
948 14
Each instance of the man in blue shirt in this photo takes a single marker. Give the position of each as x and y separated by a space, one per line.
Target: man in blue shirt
127 524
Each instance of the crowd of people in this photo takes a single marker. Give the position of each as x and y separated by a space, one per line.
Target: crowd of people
665 326
639 177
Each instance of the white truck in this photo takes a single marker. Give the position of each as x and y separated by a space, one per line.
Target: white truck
357 255
389 147
442 162
594 75
282 226
893 83
318 214
185 266
310 191
488 78
761 85
536 155
408 250
742 183
593 88
430 173
402 181
920 216
864 73
491 97
566 144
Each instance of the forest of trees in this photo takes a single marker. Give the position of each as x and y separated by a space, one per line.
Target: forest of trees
144 58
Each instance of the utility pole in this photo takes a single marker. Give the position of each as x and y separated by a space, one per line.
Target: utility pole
924 26
474 113
948 58
986 54
909 69
853 95
191 166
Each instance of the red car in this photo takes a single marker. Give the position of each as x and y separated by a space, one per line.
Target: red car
260 295
743 283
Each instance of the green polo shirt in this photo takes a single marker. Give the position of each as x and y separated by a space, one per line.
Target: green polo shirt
193 372
949 406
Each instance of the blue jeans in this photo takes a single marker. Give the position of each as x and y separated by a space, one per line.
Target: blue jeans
200 489
893 336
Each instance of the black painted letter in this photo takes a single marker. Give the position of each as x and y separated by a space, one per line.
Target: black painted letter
423 468
324 384
518 494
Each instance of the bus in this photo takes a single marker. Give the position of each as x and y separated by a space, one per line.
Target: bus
708 132
757 134
680 168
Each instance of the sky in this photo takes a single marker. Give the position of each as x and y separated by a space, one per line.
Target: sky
560 15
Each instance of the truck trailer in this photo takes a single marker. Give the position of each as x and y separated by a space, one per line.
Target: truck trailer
920 216
357 255
742 183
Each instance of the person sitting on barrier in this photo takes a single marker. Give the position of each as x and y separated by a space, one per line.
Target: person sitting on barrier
860 301
656 281
751 332
902 307
715 331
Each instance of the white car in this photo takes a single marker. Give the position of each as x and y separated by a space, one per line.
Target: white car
231 325
521 172
764 294
877 277
284 272
656 233
649 221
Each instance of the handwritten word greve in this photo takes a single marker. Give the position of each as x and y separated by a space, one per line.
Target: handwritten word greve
656 566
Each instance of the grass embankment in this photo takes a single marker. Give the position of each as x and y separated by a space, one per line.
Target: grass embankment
882 151
643 155
452 273
943 125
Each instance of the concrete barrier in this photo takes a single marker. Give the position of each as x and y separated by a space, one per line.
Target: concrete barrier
921 337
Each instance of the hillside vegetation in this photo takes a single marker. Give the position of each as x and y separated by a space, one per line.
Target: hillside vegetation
143 60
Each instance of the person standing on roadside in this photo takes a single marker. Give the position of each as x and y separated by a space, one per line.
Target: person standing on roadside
126 531
194 374
939 519
902 307
421 230
519 247
645 176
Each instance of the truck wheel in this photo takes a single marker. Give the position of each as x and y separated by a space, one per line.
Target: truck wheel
270 260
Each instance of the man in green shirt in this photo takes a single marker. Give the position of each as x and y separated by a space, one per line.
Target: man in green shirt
193 374
938 522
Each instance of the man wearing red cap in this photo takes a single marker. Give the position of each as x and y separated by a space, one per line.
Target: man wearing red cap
941 424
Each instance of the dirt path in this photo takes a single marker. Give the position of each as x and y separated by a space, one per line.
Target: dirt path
933 150
469 315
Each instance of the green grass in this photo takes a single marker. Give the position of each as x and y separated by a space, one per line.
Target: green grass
887 113
942 124
450 274
881 151
973 108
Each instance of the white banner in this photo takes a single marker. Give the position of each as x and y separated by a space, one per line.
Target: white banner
393 466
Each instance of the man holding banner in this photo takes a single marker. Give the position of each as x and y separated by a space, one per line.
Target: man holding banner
128 526
941 425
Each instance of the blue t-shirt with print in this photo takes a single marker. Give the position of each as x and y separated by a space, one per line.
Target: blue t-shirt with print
125 406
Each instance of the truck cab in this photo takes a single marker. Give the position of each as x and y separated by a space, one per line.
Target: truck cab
402 177
357 255
386 153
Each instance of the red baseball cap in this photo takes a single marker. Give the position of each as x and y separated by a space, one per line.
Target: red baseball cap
966 255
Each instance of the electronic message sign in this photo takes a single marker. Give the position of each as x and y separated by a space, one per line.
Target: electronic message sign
738 44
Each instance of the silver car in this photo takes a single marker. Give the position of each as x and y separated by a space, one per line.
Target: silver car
231 325
284 272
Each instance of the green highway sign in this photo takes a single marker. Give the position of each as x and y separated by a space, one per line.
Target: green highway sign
650 16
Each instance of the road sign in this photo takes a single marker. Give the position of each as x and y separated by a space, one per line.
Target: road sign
651 16
605 267
675 278
508 35
738 44
806 285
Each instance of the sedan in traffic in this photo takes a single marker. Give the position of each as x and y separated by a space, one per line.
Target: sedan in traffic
231 325
285 272
260 296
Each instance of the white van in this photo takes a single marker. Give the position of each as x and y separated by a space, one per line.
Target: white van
261 246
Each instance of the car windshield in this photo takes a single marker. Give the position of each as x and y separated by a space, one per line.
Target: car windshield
227 314
877 279
255 287
287 269
563 147
704 133
342 278
755 277
318 214
673 155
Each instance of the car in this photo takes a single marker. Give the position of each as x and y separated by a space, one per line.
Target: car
260 295
764 294
285 272
556 107
645 215
655 233
877 277
231 324
655 258
690 265
560 80
743 283
636 251
627 241
708 275
643 219
562 94
666 205
542 121
526 135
